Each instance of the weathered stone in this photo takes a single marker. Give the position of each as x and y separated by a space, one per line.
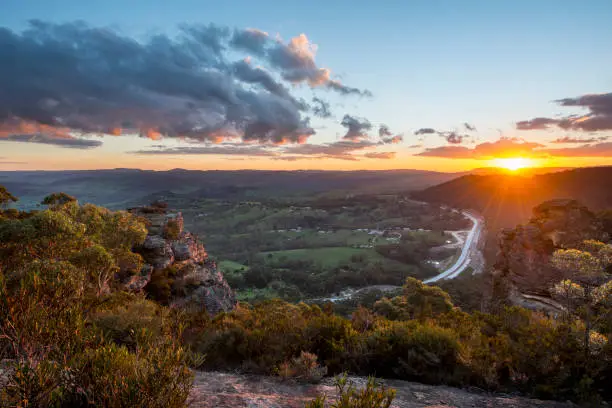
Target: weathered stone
198 283
156 251
523 258
187 247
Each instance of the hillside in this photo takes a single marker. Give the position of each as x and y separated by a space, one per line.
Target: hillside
506 200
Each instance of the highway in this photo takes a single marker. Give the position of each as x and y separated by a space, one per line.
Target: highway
465 258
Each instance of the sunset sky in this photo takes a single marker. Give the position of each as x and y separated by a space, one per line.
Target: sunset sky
437 85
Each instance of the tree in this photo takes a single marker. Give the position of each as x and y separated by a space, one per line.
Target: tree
584 289
57 199
418 301
6 197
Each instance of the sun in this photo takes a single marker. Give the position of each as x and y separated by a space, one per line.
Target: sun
512 163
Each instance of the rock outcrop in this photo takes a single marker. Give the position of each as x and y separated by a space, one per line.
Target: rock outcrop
196 281
523 258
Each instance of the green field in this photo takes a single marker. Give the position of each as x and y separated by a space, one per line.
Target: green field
231 266
326 257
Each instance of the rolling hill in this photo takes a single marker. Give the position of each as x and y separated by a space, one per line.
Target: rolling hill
506 200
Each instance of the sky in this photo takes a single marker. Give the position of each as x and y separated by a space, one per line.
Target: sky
335 85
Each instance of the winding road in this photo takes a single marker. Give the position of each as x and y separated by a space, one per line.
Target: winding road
465 258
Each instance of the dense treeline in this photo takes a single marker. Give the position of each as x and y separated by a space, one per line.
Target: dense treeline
70 335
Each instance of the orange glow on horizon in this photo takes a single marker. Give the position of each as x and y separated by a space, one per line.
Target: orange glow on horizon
513 163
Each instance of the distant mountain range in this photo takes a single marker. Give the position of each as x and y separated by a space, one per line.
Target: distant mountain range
507 199
120 187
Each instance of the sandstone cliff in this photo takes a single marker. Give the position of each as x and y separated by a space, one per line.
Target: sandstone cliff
523 260
196 282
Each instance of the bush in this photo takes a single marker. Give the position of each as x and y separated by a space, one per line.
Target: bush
302 368
374 395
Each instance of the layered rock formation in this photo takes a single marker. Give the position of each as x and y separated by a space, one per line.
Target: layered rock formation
196 281
523 259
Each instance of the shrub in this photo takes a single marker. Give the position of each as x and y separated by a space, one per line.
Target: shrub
373 395
302 368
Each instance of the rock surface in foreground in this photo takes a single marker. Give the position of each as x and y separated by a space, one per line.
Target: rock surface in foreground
221 390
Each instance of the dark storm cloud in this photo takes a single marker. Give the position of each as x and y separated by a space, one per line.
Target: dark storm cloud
598 117
356 128
41 138
321 108
94 80
425 131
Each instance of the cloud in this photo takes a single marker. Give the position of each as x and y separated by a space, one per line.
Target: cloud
393 139
504 147
387 137
384 131
593 150
535 124
450 152
598 117
425 131
343 150
469 127
356 128
380 155
4 161
340 150
229 149
41 138
320 108
452 137
100 81
251 40
294 60
415 146
575 140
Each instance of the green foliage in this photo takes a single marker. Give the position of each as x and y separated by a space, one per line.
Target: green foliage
160 286
418 301
57 199
172 230
303 368
71 338
6 197
373 395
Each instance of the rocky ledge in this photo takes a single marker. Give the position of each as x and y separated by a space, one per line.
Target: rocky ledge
196 282
523 258
225 390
